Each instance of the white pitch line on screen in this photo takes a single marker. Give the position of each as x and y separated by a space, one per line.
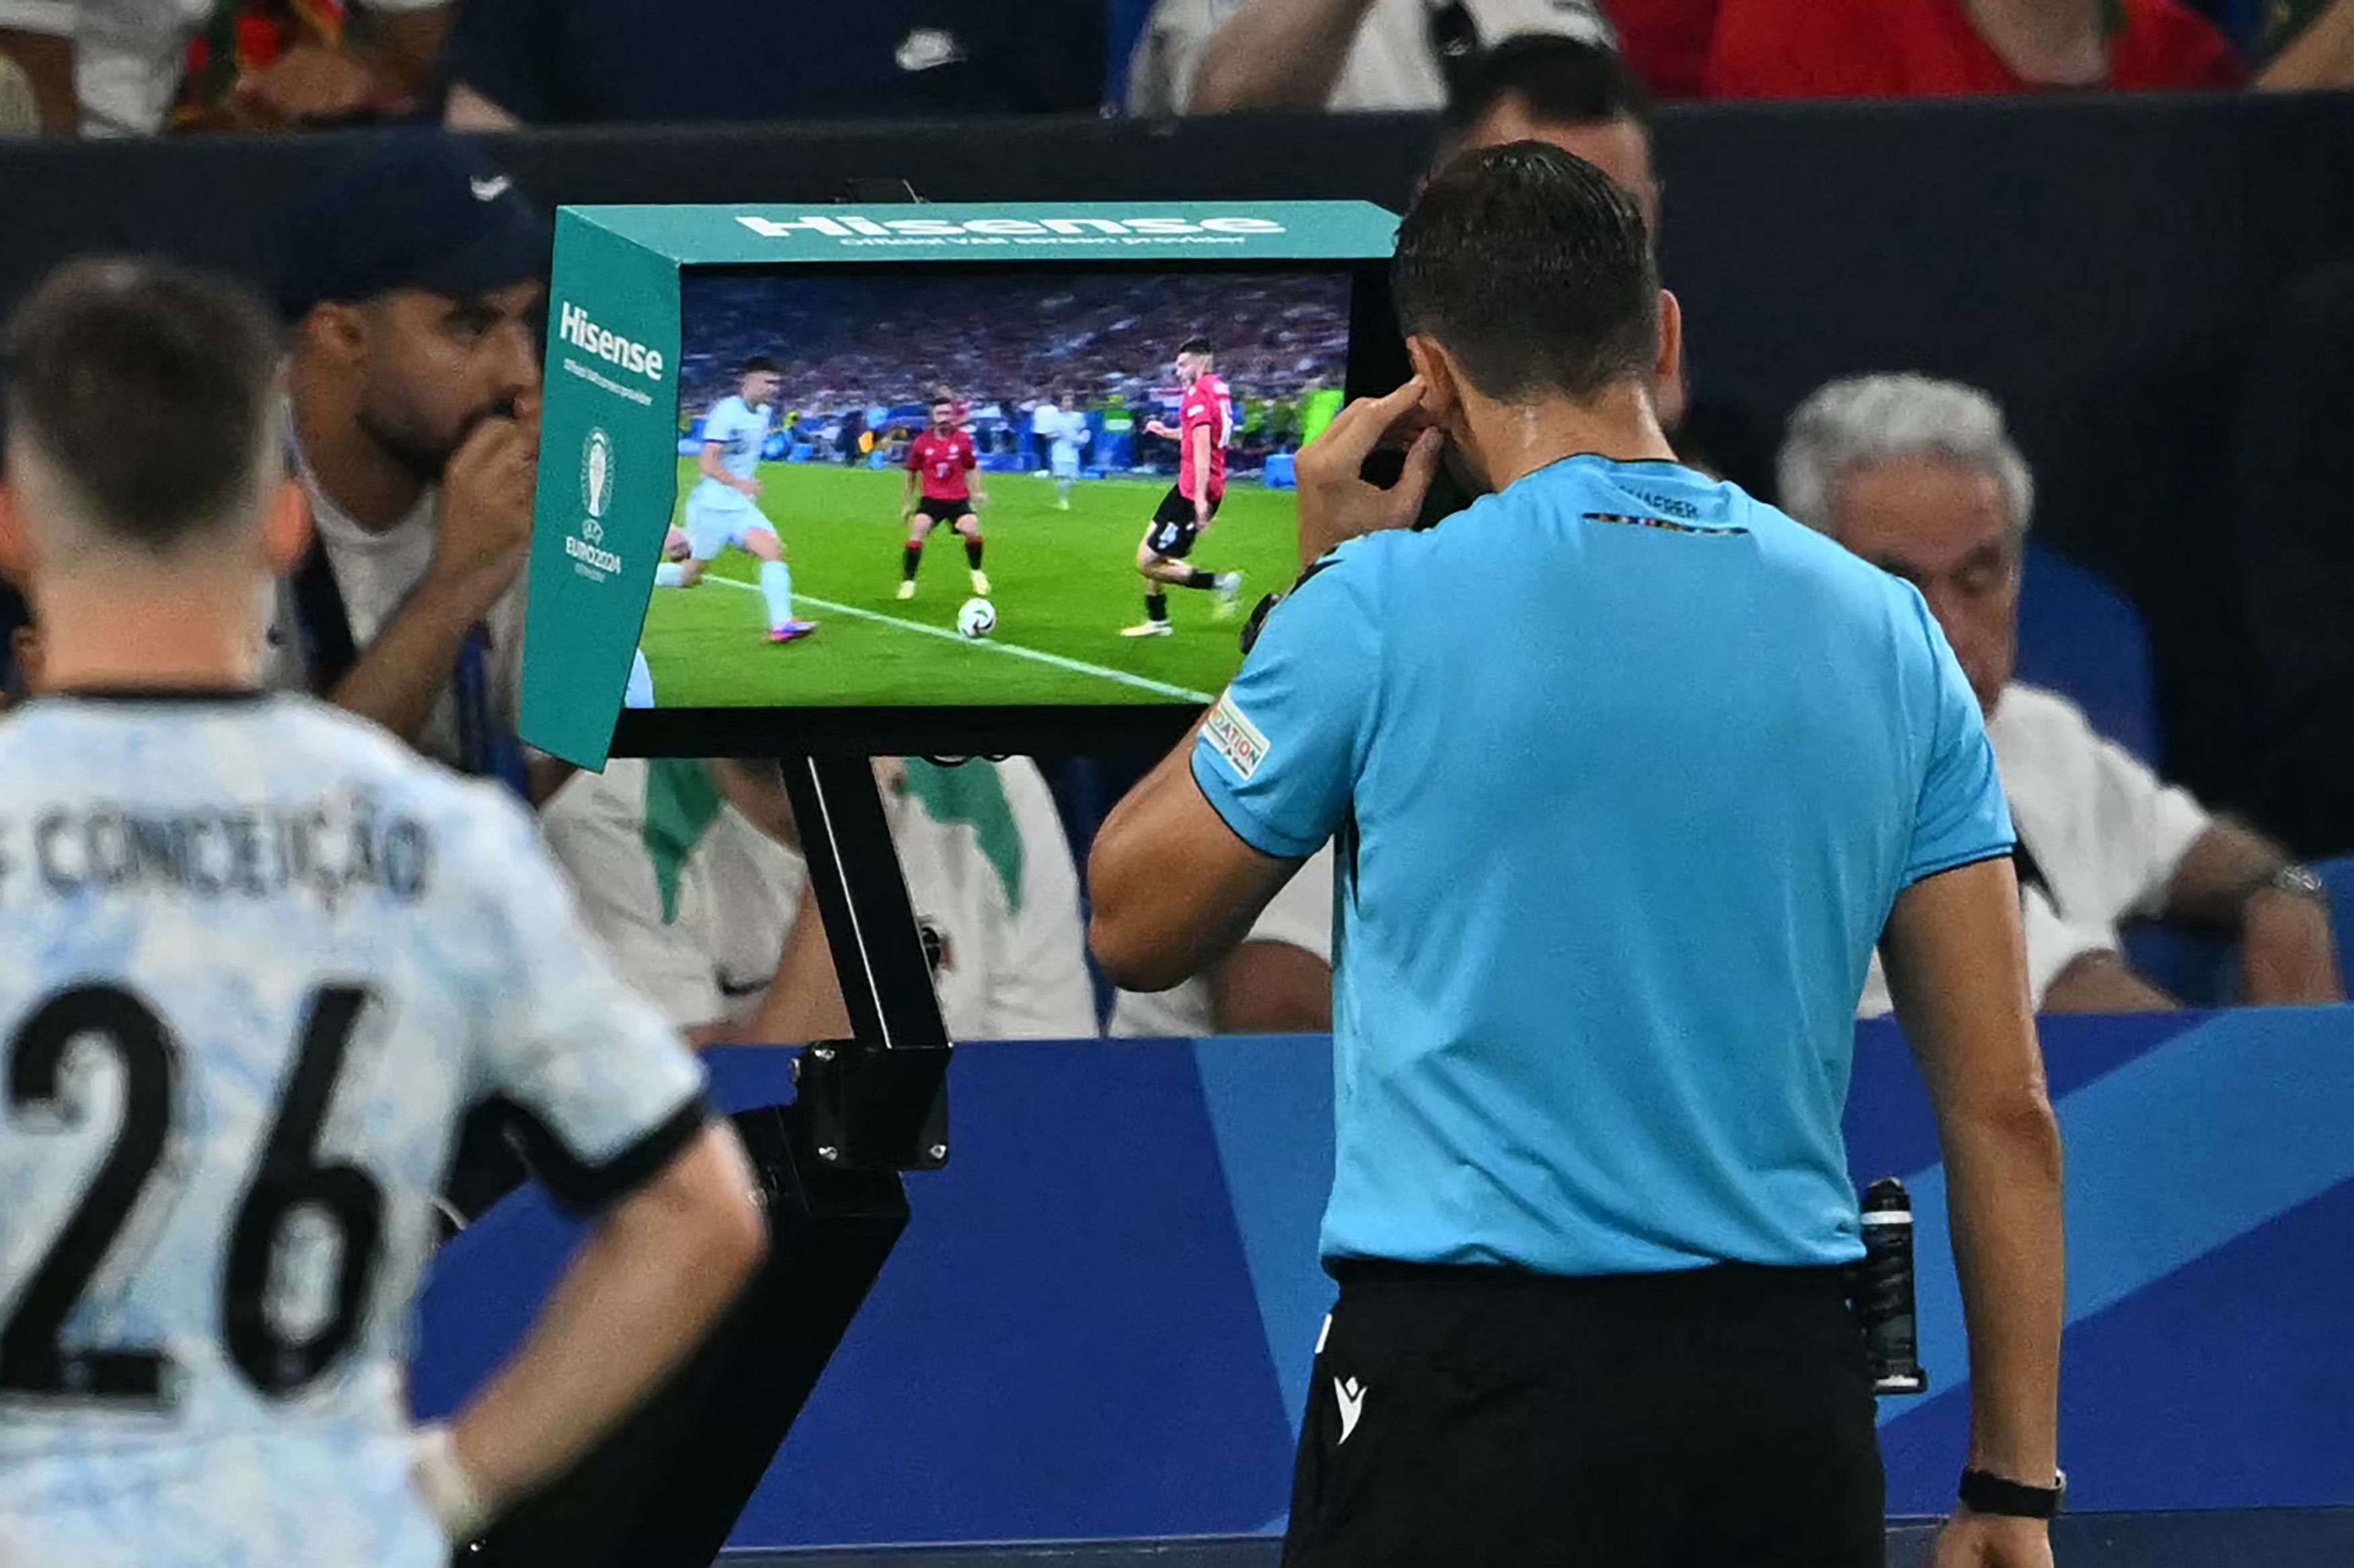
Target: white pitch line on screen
1160 688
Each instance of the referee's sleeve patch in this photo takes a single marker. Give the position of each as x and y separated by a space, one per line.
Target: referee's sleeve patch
1232 736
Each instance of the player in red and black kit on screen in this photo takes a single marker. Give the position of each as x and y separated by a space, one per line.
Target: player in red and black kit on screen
1205 422
938 461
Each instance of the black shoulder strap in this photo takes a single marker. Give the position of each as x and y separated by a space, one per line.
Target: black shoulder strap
322 621
2030 875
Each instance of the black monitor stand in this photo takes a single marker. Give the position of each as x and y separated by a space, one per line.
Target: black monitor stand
665 1490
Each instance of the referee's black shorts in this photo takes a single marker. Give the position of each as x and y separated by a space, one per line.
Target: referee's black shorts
1482 1418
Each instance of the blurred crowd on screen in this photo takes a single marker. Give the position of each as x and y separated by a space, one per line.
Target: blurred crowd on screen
1106 340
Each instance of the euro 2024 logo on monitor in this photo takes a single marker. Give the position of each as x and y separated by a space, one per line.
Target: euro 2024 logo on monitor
586 546
596 483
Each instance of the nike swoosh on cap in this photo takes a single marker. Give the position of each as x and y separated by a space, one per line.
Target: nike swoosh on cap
928 48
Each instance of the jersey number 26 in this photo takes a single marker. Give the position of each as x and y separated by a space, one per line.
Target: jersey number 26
287 1176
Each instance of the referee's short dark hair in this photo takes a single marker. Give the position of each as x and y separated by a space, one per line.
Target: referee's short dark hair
145 392
1561 80
1533 269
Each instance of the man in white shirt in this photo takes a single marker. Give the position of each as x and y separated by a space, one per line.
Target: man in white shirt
1278 981
414 291
1921 478
1223 56
690 875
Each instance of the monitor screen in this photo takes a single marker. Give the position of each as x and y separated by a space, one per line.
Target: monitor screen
962 492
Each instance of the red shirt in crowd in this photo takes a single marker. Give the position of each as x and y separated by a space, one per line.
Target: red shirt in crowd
1927 49
1207 407
943 461
1666 42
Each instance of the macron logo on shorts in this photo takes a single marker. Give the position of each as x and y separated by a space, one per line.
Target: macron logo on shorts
1232 736
1351 1395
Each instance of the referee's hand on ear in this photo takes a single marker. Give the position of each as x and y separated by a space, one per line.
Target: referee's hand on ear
1336 503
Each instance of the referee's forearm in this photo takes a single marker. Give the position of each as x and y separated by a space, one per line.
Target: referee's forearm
2003 1168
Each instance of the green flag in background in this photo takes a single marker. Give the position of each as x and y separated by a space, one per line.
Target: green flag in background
1319 409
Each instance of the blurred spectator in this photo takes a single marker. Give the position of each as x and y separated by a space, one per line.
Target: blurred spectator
1921 478
1942 48
690 874
117 67
20 105
1572 92
2308 46
264 65
548 62
1221 57
38 37
1279 980
414 289
1579 96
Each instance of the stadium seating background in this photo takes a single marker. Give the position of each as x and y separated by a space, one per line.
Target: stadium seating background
2096 264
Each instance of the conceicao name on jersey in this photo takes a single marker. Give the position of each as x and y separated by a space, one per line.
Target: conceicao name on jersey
574 327
327 849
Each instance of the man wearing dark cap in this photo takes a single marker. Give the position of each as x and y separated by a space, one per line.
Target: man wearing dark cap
415 288
1609 876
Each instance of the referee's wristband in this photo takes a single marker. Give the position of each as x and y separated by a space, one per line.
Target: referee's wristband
1983 1491
457 1504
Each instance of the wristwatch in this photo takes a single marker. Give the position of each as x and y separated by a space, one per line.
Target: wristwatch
2298 882
1983 1491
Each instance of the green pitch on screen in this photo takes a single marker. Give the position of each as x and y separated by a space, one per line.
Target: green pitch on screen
1064 583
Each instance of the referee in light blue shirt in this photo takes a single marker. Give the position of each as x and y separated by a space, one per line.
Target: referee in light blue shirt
1628 773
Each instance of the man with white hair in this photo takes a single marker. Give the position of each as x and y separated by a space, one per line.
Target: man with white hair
1920 477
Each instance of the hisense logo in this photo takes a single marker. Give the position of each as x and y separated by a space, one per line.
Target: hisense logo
573 325
847 227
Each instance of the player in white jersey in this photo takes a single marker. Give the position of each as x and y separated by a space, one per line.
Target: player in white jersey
1070 433
261 958
723 509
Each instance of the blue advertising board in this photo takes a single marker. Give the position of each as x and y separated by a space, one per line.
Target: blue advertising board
1100 1322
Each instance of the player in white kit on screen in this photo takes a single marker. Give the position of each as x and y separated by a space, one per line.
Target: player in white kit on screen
723 509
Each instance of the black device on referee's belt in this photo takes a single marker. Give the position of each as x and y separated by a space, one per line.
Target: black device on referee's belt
1880 1290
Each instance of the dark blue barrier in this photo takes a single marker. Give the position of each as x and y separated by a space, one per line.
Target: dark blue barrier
1098 1326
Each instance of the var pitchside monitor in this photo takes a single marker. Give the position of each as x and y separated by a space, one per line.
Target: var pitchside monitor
955 507
928 478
